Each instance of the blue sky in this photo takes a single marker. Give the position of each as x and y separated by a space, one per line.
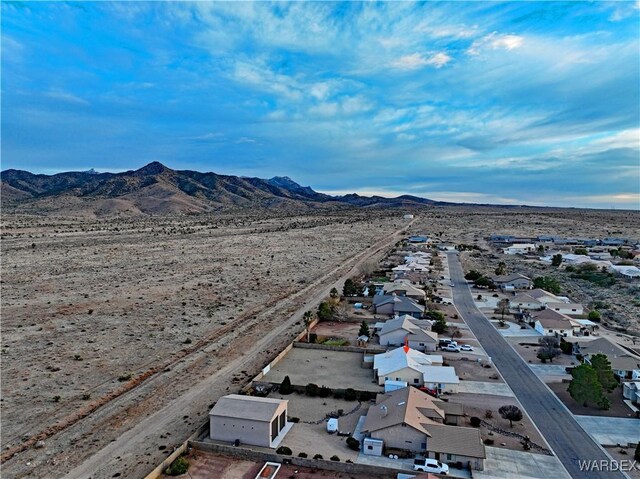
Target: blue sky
524 102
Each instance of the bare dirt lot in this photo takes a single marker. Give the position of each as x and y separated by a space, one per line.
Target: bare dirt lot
140 310
334 369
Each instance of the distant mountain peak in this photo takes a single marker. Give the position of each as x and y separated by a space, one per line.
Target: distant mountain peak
92 172
153 168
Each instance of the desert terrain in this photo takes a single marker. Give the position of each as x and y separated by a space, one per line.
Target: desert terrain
106 321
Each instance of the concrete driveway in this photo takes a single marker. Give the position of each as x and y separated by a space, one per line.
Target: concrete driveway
550 372
507 464
514 330
611 431
479 387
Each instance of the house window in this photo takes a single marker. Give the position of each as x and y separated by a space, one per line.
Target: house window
421 344
397 379
416 380
369 447
448 457
423 445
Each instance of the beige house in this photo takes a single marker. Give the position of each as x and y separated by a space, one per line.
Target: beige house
409 419
624 364
397 331
250 420
404 289
552 323
571 309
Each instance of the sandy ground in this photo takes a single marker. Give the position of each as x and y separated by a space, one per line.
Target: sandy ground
167 301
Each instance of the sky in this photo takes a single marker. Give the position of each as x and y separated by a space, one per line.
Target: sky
510 103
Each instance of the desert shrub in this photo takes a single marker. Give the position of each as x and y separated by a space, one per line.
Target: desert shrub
475 421
340 412
125 377
86 396
488 441
178 467
335 458
488 414
353 443
56 398
324 392
302 454
318 456
350 394
311 389
366 396
338 393
285 386
284 450
313 337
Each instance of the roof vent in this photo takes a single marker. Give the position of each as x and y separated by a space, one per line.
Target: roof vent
384 410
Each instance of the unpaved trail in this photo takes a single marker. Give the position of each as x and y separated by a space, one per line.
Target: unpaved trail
241 353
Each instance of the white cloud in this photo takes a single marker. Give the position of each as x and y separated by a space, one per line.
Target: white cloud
495 41
417 60
66 97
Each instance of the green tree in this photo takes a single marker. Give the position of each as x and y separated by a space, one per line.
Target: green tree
602 366
510 412
324 311
371 289
350 288
585 387
334 293
556 260
484 282
502 307
473 275
581 251
285 386
308 319
501 269
439 326
548 284
364 329
595 316
435 315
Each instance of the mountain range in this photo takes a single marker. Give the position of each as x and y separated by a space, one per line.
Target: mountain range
156 189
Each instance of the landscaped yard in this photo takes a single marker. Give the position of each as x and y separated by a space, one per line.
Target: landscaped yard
618 407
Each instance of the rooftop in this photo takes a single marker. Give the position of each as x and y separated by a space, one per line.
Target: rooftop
247 407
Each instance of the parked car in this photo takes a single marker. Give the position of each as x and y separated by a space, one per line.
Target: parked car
452 348
430 465
466 347
447 342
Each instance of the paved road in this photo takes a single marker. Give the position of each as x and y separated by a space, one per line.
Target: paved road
563 433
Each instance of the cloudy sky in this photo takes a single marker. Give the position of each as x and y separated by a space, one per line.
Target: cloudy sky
526 102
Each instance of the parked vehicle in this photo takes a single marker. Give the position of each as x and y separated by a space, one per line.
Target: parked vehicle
452 285
452 348
466 347
447 342
430 465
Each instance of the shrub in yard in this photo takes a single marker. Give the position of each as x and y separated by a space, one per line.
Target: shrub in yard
335 458
285 386
488 441
178 467
311 389
318 456
488 414
475 421
284 450
324 392
313 337
302 454
350 394
338 393
366 396
353 443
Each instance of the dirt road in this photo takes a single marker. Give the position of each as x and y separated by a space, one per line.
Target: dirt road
136 451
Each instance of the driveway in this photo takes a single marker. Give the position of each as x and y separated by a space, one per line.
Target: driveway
556 372
405 464
568 440
508 464
514 330
611 431
479 387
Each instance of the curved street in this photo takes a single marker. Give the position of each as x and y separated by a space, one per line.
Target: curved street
563 433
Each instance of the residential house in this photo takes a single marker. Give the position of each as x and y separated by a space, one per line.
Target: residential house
403 364
524 301
250 420
523 248
570 309
395 305
551 323
440 379
417 239
404 289
545 297
408 419
629 272
513 282
625 365
407 330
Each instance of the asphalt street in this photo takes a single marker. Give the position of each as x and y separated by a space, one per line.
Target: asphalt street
563 433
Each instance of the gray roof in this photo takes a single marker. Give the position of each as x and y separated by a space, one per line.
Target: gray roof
620 358
509 278
247 407
401 303
462 441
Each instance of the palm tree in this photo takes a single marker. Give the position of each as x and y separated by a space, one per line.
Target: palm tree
308 319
